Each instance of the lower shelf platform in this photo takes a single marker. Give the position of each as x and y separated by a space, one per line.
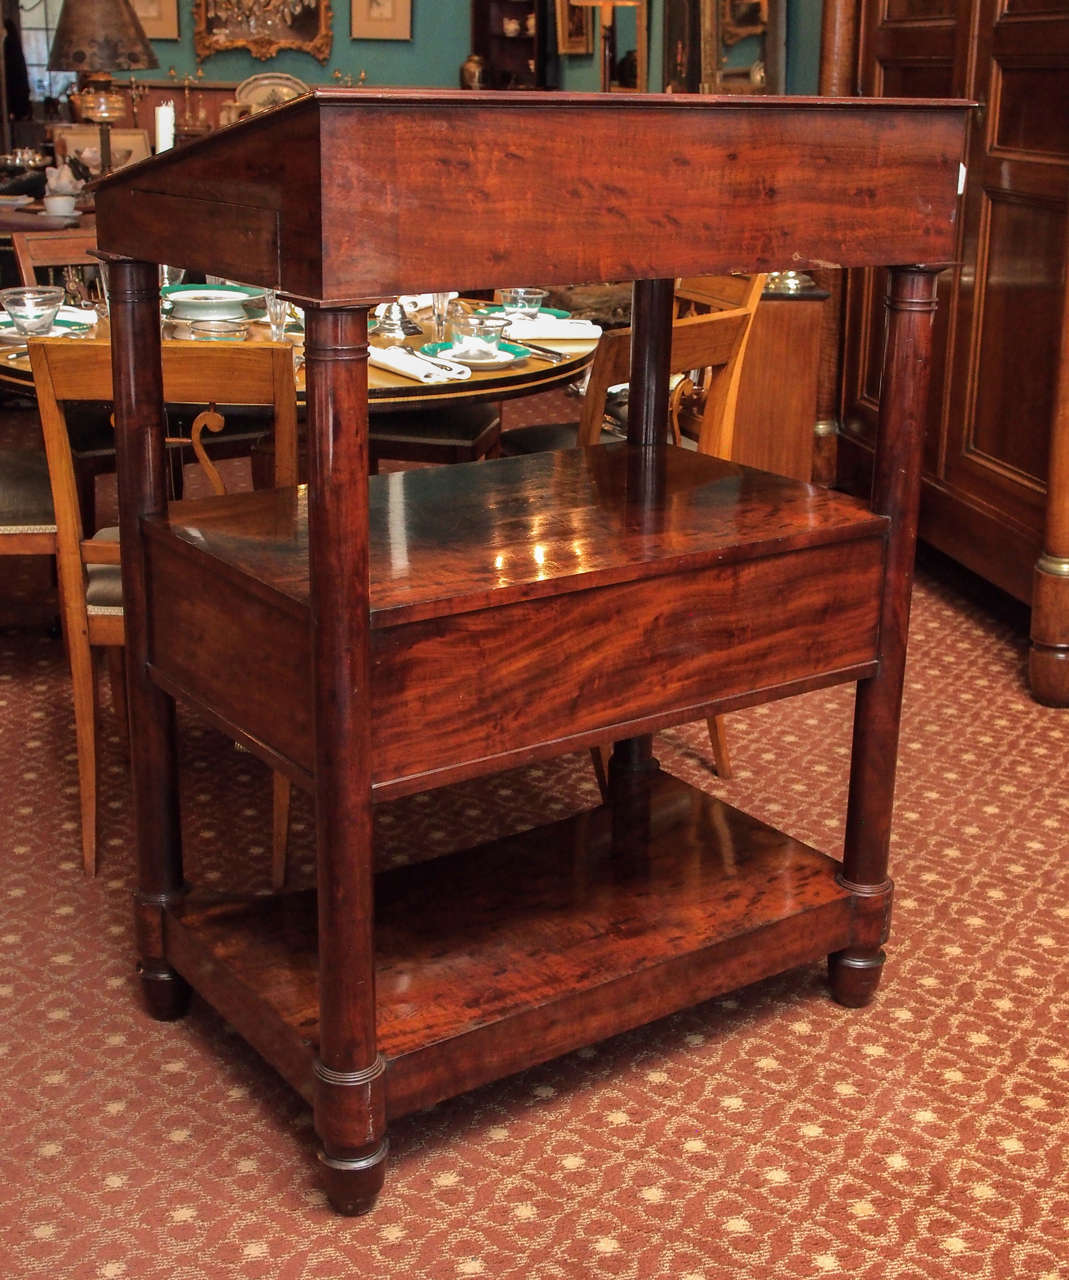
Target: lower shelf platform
499 957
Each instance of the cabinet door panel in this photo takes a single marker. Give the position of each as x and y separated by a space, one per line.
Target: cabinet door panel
986 458
1019 316
1033 108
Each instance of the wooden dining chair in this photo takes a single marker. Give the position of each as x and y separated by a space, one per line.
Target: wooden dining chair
706 365
27 521
69 372
42 257
66 258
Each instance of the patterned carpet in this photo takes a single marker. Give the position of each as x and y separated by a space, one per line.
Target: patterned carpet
768 1135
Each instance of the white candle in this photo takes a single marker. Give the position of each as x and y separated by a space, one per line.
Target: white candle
164 126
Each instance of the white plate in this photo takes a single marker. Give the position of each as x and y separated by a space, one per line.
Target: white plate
15 202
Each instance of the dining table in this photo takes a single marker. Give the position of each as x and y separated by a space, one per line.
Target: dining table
386 390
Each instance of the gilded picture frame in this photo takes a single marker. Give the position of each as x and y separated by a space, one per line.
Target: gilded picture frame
575 28
263 27
381 20
159 18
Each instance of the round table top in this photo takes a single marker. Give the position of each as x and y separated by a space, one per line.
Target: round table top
527 376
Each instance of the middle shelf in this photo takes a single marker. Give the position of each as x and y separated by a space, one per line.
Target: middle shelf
523 606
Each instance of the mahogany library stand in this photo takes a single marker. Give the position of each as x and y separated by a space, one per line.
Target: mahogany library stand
377 639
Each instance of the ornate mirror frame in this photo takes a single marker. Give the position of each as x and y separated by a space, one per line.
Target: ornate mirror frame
262 27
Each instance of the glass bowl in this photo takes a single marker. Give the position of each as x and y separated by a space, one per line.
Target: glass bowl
477 336
33 308
219 330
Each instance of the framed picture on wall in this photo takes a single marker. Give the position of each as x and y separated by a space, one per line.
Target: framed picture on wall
575 28
742 18
158 17
382 20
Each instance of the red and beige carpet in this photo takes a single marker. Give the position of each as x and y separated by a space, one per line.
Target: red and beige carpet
770 1135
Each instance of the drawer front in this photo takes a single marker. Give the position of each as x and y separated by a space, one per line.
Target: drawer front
468 687
238 653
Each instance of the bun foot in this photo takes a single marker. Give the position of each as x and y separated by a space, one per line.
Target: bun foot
165 993
353 1185
854 977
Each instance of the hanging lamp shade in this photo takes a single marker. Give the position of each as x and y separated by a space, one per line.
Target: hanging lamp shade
100 35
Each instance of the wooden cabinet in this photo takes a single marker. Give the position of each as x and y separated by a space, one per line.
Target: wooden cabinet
517 42
377 639
988 489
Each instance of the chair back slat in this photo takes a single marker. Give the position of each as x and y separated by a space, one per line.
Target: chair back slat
714 341
36 249
68 371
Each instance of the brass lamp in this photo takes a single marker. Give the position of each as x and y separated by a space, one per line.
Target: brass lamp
606 7
94 38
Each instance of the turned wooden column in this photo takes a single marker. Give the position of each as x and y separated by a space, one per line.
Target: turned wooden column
838 78
1048 661
911 305
350 1112
647 432
141 462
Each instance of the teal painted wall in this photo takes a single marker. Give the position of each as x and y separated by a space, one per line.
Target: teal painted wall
441 39
803 45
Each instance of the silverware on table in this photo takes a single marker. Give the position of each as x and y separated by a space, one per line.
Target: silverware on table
544 353
448 365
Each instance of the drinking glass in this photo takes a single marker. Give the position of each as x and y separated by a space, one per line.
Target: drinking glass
277 311
440 310
521 304
456 311
171 275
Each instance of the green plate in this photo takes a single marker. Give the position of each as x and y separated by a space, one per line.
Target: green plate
8 332
210 301
512 349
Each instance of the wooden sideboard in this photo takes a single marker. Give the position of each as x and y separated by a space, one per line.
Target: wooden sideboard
454 621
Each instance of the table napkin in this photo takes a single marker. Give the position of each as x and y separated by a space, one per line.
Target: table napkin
78 315
411 302
551 327
409 365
